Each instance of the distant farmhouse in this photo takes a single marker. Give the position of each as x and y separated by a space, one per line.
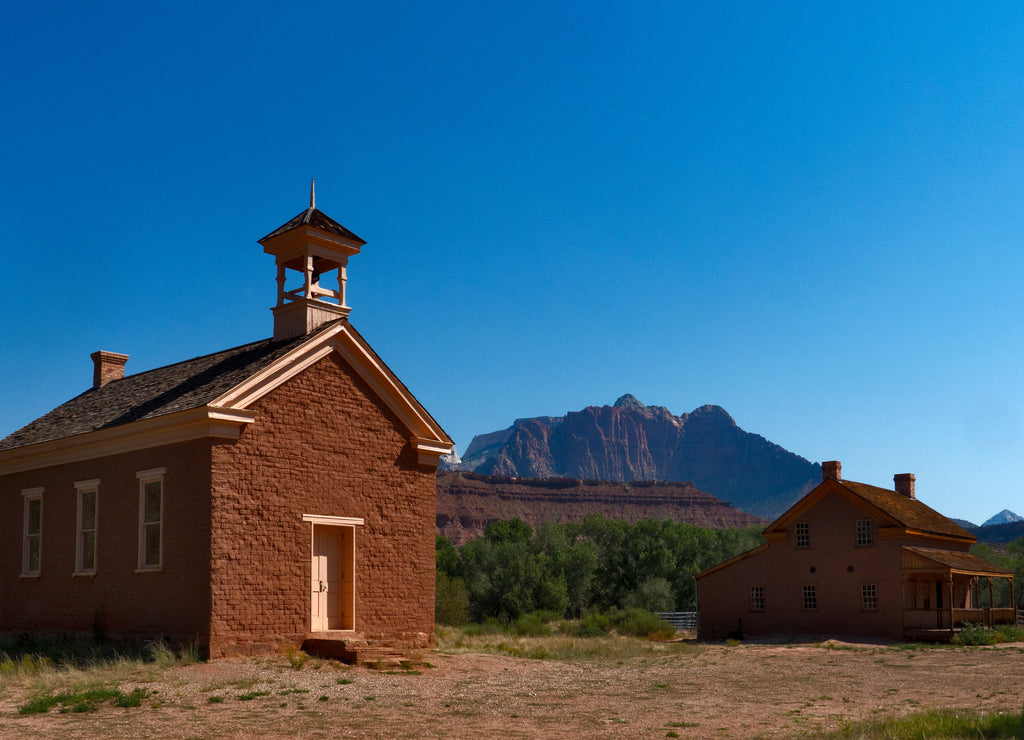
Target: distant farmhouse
850 558
275 492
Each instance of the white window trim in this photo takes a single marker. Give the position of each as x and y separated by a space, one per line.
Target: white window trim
867 534
83 487
144 477
31 494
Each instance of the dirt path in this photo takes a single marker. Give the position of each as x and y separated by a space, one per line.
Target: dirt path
712 691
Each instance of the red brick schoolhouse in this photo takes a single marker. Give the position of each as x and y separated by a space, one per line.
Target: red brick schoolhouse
246 499
851 558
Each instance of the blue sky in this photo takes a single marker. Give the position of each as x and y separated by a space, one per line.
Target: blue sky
809 214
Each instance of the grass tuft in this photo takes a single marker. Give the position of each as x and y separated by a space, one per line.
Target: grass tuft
938 724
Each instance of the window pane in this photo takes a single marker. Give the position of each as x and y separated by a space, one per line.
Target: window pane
35 515
89 510
33 555
88 550
152 505
152 544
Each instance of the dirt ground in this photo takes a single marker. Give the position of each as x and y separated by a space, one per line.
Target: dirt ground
698 691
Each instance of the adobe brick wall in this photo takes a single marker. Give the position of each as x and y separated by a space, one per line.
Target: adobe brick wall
172 602
321 444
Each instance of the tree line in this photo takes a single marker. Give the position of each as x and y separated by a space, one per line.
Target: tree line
566 569
1011 557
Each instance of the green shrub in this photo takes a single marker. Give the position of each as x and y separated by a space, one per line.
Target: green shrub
533 624
451 600
1010 632
640 623
490 626
977 634
595 624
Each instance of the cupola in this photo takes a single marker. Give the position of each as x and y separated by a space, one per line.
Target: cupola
307 250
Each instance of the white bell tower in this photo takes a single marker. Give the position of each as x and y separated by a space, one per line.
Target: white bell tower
307 249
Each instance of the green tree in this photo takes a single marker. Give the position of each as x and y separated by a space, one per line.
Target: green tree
451 600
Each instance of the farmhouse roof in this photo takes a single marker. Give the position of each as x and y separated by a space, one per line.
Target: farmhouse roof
907 511
960 561
900 510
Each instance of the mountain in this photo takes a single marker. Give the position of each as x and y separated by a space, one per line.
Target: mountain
467 502
632 442
1003 517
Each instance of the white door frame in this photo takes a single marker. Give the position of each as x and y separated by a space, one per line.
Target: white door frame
348 596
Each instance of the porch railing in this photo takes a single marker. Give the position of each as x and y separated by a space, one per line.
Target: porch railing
939 619
927 619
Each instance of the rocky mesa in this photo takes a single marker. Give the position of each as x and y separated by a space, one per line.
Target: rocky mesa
467 502
630 442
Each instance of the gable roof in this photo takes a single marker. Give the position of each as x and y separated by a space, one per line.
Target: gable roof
164 390
316 218
894 508
906 511
207 396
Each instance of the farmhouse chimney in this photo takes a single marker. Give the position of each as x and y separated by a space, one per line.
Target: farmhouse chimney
831 469
905 484
107 366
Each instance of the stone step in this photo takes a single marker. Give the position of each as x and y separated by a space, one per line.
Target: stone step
370 653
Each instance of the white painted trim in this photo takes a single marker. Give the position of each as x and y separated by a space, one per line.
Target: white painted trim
27 495
155 475
152 474
181 426
333 521
83 487
255 387
427 436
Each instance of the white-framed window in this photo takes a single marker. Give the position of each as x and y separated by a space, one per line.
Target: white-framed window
757 598
803 535
869 597
85 537
32 529
810 598
863 532
151 518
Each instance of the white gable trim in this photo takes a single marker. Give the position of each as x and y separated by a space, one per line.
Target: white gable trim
427 437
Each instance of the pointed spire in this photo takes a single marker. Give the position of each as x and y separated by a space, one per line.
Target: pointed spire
312 193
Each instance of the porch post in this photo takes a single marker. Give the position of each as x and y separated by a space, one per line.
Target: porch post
949 600
991 603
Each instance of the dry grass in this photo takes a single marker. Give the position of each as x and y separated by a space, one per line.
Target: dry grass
602 687
561 647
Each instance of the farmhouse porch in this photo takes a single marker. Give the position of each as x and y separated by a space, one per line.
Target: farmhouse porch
943 589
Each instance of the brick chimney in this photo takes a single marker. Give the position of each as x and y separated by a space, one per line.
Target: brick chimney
107 366
905 484
831 469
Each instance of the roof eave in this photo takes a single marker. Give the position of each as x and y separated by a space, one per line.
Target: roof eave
181 426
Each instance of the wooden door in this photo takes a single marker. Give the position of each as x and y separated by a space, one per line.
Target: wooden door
327 579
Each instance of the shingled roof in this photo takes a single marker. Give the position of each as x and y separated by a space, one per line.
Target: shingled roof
909 512
318 219
164 390
961 561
